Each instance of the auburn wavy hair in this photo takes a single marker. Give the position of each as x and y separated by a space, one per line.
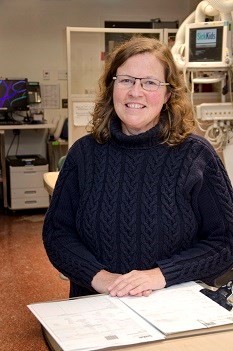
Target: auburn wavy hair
178 121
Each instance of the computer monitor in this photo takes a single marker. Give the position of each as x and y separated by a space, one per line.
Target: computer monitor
208 45
13 95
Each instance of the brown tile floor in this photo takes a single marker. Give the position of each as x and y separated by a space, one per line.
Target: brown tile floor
26 276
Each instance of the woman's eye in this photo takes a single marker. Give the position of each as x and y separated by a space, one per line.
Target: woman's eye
151 82
127 81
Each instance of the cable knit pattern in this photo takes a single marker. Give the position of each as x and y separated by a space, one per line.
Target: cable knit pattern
136 203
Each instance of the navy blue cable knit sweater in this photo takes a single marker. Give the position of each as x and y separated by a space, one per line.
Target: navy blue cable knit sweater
135 203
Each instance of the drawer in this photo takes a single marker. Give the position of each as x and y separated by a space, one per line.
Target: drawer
37 202
26 179
28 193
43 168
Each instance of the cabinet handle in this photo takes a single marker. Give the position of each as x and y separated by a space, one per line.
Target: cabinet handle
30 192
29 172
30 202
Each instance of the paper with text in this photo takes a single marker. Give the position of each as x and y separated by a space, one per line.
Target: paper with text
180 308
93 323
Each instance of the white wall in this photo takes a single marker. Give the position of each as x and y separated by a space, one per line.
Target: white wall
193 4
32 32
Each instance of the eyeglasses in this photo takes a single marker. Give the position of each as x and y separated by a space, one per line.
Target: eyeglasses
149 84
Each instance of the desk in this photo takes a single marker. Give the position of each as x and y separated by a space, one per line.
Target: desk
177 318
3 129
50 179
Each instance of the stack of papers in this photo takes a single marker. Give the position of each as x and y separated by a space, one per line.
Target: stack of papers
101 321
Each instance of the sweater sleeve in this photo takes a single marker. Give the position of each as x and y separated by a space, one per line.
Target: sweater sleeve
60 236
209 191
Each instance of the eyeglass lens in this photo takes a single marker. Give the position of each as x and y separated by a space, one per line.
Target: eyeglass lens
146 83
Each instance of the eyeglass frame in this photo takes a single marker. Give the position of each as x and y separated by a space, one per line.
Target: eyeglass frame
153 79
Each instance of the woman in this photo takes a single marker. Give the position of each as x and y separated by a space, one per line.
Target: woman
141 203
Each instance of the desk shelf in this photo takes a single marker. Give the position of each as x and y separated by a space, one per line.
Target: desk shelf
26 126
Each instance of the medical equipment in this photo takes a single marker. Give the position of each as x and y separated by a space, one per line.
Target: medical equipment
208 45
203 53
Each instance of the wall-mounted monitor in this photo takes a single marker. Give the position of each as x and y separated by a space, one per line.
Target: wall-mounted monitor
13 95
208 45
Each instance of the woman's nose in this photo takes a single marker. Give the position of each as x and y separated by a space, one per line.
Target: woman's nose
136 89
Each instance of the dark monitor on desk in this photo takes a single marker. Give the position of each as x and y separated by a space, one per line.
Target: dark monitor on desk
13 97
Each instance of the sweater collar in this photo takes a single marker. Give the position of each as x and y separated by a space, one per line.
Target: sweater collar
143 140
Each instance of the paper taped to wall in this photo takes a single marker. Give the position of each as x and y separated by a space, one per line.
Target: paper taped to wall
82 112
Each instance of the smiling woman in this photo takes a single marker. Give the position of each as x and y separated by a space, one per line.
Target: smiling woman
144 58
138 105
141 203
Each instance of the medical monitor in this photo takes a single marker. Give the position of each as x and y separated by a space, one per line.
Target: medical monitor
13 95
208 45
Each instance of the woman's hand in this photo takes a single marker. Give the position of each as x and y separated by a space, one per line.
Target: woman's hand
102 280
137 283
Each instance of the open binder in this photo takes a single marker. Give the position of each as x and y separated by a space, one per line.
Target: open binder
101 321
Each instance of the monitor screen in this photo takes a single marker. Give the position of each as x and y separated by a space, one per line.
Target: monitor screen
208 44
13 95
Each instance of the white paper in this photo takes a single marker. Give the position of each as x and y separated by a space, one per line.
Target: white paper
180 308
82 112
92 323
50 96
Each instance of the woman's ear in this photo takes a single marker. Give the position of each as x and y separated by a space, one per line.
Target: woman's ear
167 97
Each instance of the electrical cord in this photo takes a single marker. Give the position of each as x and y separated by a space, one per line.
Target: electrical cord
17 147
219 134
16 133
12 141
214 135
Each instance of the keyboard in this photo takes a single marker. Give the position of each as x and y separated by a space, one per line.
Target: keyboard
10 122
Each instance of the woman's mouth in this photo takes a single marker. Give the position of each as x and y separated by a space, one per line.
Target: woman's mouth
135 106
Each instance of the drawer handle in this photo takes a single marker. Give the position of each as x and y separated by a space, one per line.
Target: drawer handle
31 202
30 192
29 172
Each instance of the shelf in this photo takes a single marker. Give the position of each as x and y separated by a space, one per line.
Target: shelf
207 80
26 126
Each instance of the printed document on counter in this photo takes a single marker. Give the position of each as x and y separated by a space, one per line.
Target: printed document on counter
101 321
93 323
180 308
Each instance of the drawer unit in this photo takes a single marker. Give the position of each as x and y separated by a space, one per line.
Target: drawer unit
25 184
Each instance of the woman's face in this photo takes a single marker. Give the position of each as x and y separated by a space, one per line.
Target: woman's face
137 108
